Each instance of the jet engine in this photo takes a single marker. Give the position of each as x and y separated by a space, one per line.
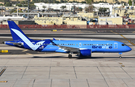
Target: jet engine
85 53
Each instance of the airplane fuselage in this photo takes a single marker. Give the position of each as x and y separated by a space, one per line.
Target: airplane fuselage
93 45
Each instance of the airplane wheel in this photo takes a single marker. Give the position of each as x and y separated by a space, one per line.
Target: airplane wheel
69 56
120 57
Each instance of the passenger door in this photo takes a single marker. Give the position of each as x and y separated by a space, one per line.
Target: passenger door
115 45
80 44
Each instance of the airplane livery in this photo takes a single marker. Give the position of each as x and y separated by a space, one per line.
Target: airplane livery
83 48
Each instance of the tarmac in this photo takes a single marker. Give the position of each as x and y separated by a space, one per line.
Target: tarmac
25 68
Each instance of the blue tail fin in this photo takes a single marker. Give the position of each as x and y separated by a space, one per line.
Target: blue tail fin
16 31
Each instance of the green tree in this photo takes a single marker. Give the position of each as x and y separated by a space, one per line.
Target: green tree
5 1
1 4
103 10
53 1
89 2
25 5
130 2
83 2
1 0
8 4
57 2
63 1
63 7
90 8
19 5
44 7
78 9
32 6
13 10
22 3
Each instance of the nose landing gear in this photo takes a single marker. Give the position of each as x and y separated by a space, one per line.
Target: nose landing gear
120 55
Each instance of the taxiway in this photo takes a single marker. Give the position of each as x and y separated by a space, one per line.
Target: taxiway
24 68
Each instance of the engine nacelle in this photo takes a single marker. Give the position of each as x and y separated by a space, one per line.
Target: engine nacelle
85 53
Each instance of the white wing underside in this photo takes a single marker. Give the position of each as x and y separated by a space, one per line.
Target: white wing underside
71 49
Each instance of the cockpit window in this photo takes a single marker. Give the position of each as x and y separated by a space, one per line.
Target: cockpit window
123 44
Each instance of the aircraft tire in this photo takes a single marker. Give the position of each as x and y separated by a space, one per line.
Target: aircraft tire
69 56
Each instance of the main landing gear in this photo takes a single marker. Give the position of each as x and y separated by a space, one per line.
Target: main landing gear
70 55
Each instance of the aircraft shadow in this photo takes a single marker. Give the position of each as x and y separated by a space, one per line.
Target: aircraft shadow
50 57
79 57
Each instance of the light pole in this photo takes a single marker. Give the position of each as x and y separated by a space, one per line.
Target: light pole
2 9
74 7
28 7
17 11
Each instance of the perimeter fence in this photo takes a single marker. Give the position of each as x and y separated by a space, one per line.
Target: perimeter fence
72 26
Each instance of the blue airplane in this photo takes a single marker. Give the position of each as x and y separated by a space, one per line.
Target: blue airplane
83 48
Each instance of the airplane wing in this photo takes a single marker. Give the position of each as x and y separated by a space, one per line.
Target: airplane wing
71 49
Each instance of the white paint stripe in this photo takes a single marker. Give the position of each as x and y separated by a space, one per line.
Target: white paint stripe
27 41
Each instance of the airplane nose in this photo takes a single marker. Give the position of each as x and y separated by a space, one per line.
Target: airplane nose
129 49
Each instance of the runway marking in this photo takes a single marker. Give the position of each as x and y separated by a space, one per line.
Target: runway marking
114 32
28 54
25 50
3 81
120 63
3 70
133 32
127 40
3 51
123 37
